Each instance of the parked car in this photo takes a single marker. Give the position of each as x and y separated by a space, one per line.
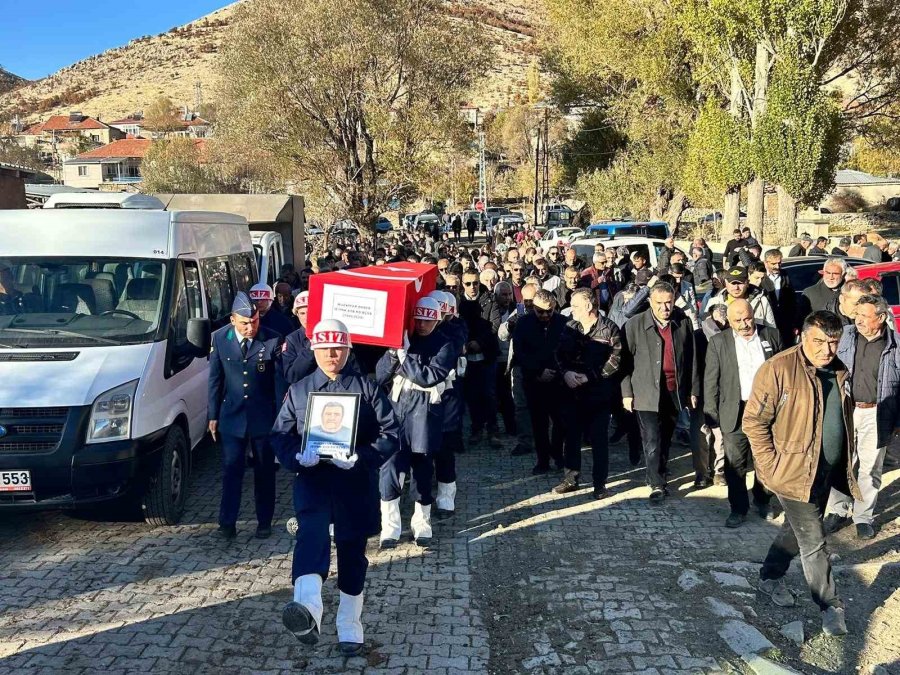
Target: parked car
383 225
889 274
557 216
624 228
558 236
426 221
649 247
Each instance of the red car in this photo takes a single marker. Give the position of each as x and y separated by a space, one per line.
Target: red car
889 274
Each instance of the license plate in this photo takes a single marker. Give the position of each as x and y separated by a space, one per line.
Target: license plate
15 481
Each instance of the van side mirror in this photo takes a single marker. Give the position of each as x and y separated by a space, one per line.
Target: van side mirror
199 335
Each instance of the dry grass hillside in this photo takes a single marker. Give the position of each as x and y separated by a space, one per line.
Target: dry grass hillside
126 79
8 81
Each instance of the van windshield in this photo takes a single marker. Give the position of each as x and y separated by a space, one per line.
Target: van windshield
67 302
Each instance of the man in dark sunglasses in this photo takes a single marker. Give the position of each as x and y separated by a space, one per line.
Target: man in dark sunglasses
479 309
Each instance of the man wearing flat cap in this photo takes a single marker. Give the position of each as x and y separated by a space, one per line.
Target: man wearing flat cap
737 287
244 381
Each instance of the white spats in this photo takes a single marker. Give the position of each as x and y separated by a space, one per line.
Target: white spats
349 615
308 592
390 519
421 522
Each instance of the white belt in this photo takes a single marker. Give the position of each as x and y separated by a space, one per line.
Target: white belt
402 384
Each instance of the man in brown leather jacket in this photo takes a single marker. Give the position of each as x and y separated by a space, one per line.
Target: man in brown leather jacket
800 425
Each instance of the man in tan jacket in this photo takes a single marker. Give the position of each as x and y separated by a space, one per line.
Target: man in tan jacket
799 422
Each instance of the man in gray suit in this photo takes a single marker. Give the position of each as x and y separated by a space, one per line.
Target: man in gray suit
732 359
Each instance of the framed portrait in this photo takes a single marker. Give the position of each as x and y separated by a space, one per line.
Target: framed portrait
331 420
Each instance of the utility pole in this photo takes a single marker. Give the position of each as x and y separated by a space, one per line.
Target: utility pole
482 173
545 186
537 166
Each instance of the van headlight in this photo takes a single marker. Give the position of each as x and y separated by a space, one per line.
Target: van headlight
111 414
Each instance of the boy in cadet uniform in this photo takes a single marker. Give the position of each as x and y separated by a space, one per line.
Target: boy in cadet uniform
341 490
416 375
457 333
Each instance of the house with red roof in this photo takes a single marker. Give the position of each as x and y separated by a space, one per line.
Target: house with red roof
63 136
112 167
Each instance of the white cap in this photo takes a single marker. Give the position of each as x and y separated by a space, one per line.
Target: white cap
302 299
451 302
261 292
428 309
330 333
441 298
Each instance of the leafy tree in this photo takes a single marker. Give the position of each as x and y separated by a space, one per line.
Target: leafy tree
162 115
13 153
355 98
174 165
593 145
797 142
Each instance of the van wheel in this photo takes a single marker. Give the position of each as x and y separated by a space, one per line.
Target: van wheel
163 502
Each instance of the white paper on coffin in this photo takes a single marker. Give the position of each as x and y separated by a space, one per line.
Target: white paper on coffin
417 280
362 310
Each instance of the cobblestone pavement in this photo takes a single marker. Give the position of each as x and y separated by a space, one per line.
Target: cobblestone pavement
520 580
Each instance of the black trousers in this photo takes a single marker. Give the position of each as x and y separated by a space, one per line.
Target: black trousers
543 400
738 462
480 396
505 403
803 534
587 416
445 458
312 554
656 433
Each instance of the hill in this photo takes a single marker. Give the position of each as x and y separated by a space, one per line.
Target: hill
8 81
123 80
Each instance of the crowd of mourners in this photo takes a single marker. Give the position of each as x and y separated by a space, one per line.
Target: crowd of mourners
544 352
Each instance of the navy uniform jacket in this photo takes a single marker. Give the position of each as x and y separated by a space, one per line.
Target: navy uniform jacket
243 393
297 361
428 363
276 322
350 495
458 333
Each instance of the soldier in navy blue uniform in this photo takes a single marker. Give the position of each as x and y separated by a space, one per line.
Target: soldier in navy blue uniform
341 491
270 316
417 377
452 438
297 361
244 381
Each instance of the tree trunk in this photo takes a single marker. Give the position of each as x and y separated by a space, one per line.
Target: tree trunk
787 218
756 206
660 204
731 213
677 205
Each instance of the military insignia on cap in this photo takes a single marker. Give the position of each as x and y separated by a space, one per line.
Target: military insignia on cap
426 313
330 336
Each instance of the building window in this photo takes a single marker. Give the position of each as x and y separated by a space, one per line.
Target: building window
82 171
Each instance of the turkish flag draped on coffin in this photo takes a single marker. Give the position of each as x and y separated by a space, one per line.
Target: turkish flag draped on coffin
376 303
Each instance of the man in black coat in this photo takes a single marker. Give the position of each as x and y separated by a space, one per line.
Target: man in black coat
535 343
590 353
782 297
661 378
732 359
819 295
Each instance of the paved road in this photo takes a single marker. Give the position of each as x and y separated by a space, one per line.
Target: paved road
519 581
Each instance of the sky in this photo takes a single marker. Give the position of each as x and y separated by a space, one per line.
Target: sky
36 40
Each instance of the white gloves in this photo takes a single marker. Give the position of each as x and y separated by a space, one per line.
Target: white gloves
401 353
308 457
344 461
